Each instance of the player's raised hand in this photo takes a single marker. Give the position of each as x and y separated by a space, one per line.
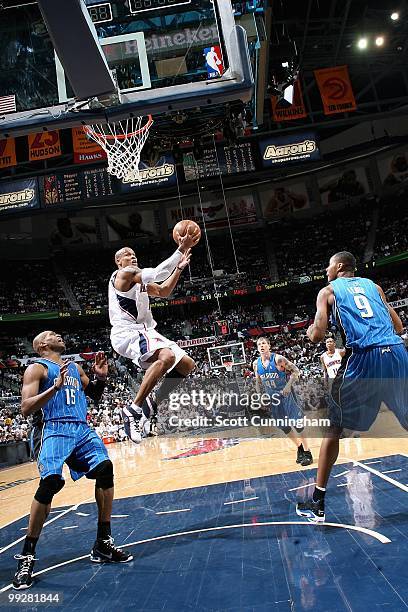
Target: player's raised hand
100 366
60 380
185 260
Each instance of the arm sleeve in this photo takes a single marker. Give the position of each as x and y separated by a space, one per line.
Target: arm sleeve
162 271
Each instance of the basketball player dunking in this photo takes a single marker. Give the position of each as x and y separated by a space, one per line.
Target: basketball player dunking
134 336
373 370
331 359
277 374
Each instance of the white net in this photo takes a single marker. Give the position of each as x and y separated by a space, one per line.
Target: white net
123 142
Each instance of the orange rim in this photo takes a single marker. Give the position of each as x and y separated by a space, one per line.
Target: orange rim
92 132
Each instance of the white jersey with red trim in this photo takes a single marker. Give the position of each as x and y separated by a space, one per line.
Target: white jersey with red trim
332 362
130 308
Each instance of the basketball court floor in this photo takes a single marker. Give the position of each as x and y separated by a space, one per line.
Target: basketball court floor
211 523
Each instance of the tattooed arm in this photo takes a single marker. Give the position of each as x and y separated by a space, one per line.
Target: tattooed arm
284 365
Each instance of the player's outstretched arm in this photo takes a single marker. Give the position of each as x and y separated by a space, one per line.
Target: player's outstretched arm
317 330
396 321
31 400
165 289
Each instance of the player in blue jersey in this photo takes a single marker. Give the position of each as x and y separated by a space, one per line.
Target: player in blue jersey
54 393
373 370
276 375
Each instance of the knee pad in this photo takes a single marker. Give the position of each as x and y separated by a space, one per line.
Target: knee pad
103 475
299 429
286 430
48 487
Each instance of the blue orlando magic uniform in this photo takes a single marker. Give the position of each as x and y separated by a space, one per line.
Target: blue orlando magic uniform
273 381
375 366
61 434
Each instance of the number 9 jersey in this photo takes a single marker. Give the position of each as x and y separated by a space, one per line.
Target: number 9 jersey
361 314
69 403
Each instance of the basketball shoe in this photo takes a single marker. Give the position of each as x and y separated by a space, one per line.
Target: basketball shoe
23 576
312 510
104 551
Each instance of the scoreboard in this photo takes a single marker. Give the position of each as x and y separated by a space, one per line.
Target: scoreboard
65 187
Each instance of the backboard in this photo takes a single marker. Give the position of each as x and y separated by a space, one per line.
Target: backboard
165 55
233 353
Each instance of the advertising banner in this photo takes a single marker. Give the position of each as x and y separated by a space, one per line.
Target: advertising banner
162 174
289 149
19 195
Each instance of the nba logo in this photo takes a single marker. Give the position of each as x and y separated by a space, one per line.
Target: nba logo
213 62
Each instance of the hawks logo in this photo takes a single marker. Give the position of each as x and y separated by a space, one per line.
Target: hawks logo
206 446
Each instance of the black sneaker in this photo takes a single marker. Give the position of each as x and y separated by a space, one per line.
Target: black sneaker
23 576
105 552
314 511
307 458
300 452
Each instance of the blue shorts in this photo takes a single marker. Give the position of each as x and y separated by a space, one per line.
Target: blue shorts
76 444
287 407
366 379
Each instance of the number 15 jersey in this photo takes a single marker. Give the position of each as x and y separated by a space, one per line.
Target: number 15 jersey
361 314
69 403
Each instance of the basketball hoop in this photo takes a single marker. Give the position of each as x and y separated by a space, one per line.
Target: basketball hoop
228 365
123 142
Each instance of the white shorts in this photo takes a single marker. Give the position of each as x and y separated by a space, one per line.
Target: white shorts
139 345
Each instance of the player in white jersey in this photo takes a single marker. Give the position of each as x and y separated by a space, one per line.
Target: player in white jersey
331 359
133 333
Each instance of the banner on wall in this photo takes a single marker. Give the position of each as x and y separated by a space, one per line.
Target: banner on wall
8 153
281 111
19 195
393 169
66 232
284 199
335 89
85 150
346 183
293 148
44 145
241 211
162 174
134 224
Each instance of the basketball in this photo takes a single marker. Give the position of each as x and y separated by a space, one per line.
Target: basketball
182 227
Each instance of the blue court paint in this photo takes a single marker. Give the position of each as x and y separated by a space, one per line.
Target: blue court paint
257 568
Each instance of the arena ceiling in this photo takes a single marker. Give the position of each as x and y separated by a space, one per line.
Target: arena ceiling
326 33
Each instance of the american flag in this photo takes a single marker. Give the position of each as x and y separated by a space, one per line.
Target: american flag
8 104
